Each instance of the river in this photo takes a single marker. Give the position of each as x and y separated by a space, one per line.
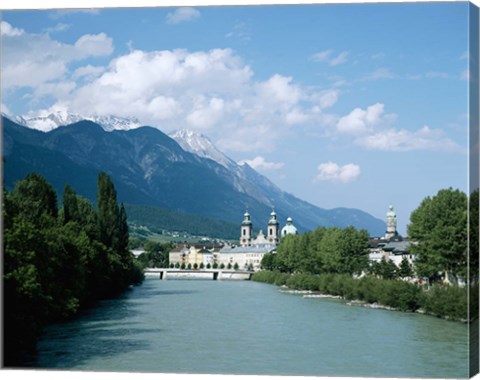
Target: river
245 327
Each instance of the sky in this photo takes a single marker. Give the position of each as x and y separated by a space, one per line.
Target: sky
342 105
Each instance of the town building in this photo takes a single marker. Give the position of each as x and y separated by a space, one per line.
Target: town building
247 254
392 246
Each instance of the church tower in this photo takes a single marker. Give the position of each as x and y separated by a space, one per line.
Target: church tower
246 230
391 224
273 228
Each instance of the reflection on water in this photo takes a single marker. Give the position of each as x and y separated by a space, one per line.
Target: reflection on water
244 327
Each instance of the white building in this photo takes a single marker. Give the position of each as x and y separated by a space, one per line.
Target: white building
251 250
392 246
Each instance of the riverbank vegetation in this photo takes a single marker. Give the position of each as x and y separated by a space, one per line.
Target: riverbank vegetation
58 260
449 302
335 261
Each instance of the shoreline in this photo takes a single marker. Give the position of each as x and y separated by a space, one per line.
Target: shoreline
360 303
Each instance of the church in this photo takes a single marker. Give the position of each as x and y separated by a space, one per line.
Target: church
247 254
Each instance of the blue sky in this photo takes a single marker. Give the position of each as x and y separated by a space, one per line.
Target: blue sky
343 105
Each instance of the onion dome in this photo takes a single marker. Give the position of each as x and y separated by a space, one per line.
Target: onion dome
289 228
246 219
273 219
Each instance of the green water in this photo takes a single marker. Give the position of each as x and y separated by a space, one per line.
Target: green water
244 327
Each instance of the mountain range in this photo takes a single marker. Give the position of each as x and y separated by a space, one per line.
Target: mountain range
183 172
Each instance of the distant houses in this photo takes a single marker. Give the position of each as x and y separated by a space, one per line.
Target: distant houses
392 246
248 254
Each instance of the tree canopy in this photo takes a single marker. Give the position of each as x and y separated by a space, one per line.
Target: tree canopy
439 229
58 260
324 250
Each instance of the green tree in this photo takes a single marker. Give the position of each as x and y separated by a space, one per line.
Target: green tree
387 269
123 233
70 205
268 261
439 229
406 269
353 250
329 248
235 266
35 200
108 211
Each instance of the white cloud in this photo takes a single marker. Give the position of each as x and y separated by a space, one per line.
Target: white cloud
182 14
332 172
8 30
206 90
326 56
322 56
465 75
30 60
340 59
260 163
60 27
94 45
360 121
404 141
279 90
241 31
211 90
381 73
88 72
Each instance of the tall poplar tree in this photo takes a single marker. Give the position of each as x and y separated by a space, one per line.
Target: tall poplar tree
108 212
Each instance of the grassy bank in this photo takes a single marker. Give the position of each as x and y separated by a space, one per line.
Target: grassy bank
449 302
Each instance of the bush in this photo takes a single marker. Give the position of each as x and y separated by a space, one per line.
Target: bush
444 301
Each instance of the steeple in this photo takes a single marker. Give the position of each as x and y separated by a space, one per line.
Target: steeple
273 228
391 224
246 230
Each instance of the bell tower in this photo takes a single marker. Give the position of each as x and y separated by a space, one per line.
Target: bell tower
246 230
273 228
391 224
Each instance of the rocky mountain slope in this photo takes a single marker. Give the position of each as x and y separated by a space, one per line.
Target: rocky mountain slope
150 168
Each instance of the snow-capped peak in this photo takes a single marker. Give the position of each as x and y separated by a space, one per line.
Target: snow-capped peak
46 121
201 145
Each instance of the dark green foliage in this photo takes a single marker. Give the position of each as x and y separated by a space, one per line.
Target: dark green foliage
325 250
448 301
155 255
405 269
108 212
55 261
439 225
385 269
